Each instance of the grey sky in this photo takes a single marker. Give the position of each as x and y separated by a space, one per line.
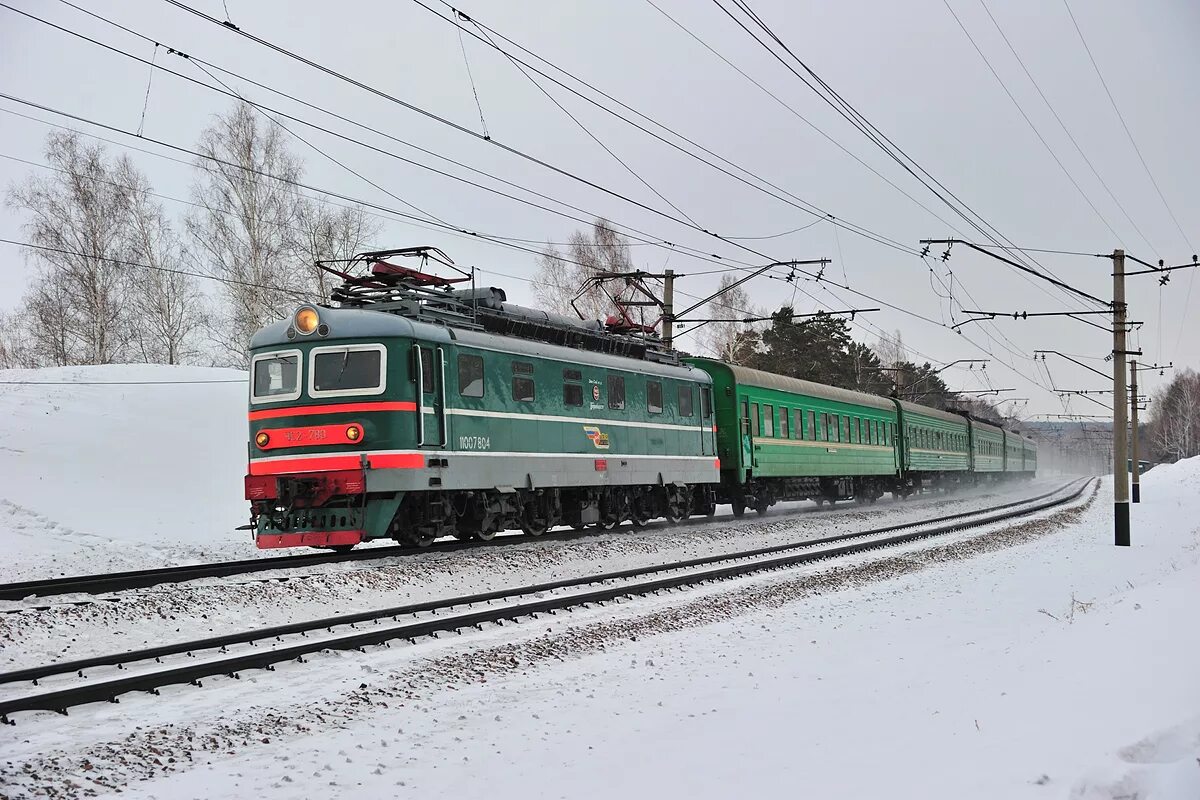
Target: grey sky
907 66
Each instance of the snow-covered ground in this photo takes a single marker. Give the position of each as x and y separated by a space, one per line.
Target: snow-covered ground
1033 661
99 464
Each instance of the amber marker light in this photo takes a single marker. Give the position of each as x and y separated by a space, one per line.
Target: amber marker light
353 433
306 320
262 439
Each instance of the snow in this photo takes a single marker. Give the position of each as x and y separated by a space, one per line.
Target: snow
1036 660
130 469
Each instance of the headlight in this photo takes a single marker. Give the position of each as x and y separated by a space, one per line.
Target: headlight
353 433
262 439
306 320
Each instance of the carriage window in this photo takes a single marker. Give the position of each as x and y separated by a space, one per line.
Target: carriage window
705 402
616 392
355 369
823 428
755 427
835 430
522 389
470 376
522 368
783 424
768 420
812 425
654 401
685 400
276 376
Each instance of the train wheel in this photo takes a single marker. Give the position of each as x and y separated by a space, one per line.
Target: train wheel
534 526
738 509
487 532
421 538
762 508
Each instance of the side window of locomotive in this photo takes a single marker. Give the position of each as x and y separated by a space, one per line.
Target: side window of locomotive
705 402
572 387
470 376
522 382
276 377
654 397
616 392
357 369
685 400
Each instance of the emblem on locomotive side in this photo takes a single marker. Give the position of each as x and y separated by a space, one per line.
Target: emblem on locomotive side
595 391
599 439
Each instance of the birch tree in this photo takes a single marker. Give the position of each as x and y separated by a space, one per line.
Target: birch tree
562 274
76 307
245 231
332 233
167 306
724 337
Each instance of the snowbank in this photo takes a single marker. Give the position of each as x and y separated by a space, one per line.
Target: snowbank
119 467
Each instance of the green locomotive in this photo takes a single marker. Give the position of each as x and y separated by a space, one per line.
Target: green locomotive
417 410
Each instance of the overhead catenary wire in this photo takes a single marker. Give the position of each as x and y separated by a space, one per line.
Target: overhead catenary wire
1030 123
521 248
859 121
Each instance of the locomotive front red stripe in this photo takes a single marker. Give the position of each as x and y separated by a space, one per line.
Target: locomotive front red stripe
339 408
344 461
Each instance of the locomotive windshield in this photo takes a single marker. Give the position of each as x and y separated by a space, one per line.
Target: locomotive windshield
277 376
347 369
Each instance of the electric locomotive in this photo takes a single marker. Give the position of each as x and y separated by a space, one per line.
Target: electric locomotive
417 409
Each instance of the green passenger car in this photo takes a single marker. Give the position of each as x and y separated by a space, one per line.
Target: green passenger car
936 444
781 438
987 449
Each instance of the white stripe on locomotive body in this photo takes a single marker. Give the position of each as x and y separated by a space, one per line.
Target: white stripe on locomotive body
616 423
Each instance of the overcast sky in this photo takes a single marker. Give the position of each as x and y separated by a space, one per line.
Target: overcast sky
908 67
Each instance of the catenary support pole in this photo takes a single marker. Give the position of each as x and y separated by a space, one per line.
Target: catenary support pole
1136 468
668 307
1120 407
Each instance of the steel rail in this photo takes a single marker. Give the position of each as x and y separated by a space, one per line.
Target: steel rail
62 699
144 578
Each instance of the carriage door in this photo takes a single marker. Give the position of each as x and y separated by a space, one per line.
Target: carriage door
431 396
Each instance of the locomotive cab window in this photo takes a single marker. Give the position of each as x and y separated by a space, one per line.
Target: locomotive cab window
616 392
356 369
705 402
276 376
470 376
654 397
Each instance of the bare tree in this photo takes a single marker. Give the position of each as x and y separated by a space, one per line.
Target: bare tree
333 234
245 230
724 338
16 342
560 276
891 350
76 306
1175 417
167 306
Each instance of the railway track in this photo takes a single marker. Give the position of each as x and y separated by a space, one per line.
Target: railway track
114 582
58 687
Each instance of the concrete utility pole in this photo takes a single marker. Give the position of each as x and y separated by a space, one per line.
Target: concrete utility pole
1120 406
1133 409
668 314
